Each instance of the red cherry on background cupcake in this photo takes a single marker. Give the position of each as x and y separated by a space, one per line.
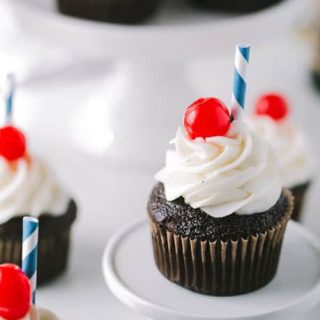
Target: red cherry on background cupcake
207 117
273 105
15 292
12 143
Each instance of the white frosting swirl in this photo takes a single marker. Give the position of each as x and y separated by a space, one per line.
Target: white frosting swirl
291 148
29 188
222 175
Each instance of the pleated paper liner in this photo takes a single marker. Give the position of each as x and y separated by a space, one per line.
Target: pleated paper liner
299 194
236 5
120 11
220 268
53 247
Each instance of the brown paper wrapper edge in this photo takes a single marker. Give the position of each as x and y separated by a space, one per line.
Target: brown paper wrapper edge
220 268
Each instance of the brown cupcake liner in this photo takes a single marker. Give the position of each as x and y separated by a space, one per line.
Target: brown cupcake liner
121 11
236 5
53 243
299 194
52 254
220 268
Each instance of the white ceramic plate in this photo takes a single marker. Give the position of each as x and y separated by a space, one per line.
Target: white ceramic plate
132 276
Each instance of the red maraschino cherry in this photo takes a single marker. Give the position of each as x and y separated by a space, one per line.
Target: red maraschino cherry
207 117
273 105
15 292
12 143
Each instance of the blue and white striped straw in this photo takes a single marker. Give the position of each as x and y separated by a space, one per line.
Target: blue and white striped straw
240 80
30 251
9 96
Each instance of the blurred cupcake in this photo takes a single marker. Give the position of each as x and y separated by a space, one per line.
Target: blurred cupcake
29 187
271 121
236 5
15 296
121 11
42 314
314 31
218 213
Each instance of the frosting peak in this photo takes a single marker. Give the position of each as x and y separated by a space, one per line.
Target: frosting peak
223 174
29 187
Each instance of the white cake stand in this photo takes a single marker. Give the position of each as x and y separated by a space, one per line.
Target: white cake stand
140 106
132 276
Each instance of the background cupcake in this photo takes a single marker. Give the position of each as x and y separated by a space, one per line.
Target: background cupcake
218 213
122 11
236 5
271 120
29 187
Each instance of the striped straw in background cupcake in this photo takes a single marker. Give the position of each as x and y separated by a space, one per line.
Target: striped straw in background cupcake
9 96
30 251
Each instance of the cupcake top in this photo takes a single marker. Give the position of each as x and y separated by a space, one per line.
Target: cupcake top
219 166
37 314
45 315
271 121
180 218
27 184
15 296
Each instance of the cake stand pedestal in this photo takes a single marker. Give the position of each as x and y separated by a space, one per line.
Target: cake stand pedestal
133 277
140 106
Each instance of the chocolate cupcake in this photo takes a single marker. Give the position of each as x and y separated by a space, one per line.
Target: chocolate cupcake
218 214
54 241
315 72
236 5
299 193
29 187
271 120
120 11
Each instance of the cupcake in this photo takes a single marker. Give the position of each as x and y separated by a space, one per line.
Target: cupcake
29 187
15 296
218 212
121 11
315 71
236 5
271 120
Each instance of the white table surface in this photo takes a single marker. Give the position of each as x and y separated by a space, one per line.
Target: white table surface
108 196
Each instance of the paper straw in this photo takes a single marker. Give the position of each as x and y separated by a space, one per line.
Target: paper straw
30 251
10 90
240 81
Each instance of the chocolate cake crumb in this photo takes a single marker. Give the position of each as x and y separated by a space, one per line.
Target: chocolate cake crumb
180 218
